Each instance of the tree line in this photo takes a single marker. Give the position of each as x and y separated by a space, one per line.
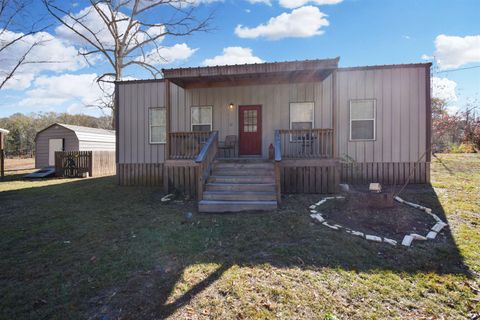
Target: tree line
23 128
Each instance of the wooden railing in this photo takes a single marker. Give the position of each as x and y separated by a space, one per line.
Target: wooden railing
304 144
205 161
187 145
278 160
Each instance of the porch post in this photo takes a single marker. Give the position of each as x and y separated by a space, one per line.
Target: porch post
334 112
168 120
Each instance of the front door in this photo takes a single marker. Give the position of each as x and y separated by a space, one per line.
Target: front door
54 145
250 130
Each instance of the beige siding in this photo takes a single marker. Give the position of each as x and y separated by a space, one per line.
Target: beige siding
274 100
42 143
135 98
400 115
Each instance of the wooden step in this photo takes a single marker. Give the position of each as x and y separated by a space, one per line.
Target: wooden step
235 206
242 179
239 195
243 165
265 187
244 172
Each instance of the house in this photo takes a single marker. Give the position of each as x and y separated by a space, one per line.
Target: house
66 137
3 132
321 124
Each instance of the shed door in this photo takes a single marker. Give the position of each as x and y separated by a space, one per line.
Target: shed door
250 130
53 146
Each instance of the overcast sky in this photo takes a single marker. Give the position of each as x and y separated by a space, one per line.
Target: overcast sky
360 32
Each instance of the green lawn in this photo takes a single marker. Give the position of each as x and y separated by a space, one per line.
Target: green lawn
90 249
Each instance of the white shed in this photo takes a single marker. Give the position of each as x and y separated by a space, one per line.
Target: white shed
66 137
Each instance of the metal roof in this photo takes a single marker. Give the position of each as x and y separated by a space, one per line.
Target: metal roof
4 130
86 133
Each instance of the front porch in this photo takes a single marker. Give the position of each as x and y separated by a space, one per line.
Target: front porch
302 162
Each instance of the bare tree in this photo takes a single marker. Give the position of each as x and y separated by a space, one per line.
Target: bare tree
12 15
128 32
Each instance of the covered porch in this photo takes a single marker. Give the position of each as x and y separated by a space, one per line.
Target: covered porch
255 106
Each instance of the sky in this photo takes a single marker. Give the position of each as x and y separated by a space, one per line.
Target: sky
360 32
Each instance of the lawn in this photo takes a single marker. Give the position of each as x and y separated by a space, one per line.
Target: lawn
88 249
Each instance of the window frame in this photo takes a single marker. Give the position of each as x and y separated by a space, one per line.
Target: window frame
150 125
201 124
369 119
292 139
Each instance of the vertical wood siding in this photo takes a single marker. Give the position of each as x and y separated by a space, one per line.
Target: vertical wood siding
275 101
135 99
400 115
42 143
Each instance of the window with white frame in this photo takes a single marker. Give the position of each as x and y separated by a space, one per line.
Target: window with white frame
301 115
157 125
201 118
362 119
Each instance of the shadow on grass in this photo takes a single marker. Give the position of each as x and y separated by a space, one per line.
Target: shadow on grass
126 242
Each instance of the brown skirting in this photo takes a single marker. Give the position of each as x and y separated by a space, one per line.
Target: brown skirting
388 173
181 177
309 176
140 174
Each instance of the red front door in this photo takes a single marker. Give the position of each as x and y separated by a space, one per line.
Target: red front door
250 130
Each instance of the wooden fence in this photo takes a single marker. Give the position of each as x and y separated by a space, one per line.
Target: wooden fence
80 163
388 173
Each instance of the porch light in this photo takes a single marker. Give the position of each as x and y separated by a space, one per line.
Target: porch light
231 106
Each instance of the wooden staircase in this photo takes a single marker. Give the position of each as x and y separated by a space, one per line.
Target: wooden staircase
240 185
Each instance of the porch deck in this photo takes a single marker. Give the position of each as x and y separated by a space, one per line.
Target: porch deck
303 161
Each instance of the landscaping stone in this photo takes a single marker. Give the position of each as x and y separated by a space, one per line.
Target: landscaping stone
344 187
318 217
334 227
407 240
397 198
321 202
373 238
390 241
168 197
313 206
418 237
432 235
357 233
437 219
428 210
313 211
438 226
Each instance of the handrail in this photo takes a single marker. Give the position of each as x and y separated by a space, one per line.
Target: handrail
278 146
203 153
205 160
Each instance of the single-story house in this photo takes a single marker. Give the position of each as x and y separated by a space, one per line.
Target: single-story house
66 137
3 132
295 127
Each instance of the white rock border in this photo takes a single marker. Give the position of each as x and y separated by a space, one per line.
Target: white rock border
407 239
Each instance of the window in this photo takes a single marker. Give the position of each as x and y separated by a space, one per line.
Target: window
362 119
201 118
301 115
157 124
301 118
250 121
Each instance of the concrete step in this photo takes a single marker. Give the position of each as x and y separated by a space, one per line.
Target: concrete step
262 187
239 195
235 206
241 179
244 172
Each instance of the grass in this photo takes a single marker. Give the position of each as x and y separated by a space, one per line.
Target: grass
81 249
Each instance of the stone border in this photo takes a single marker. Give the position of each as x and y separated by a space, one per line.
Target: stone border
407 239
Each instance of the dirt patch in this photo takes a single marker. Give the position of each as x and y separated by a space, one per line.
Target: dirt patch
19 164
392 223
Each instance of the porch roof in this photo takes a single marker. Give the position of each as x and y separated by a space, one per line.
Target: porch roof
251 74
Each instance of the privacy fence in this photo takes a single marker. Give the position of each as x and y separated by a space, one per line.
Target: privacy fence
85 163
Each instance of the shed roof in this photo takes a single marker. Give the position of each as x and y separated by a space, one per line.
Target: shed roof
4 131
86 133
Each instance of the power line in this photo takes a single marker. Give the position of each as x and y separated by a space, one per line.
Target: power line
460 69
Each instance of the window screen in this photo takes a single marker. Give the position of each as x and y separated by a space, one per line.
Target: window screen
362 119
301 115
157 124
201 118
